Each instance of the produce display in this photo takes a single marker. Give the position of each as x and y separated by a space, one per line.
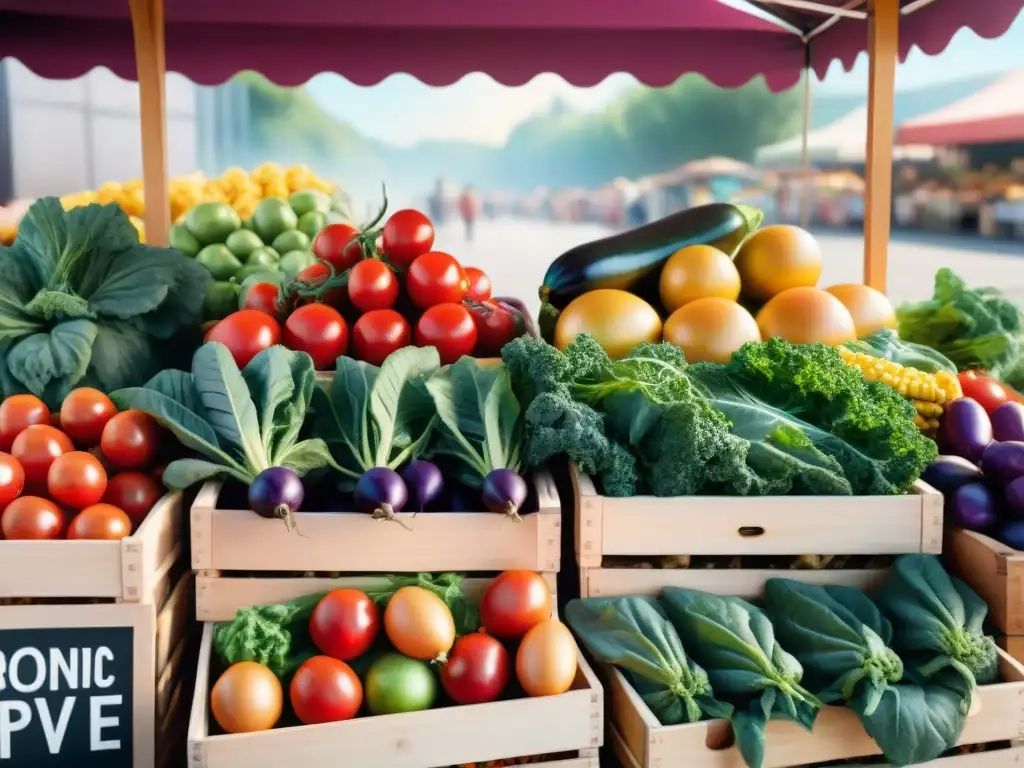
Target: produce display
907 661
413 645
89 472
707 280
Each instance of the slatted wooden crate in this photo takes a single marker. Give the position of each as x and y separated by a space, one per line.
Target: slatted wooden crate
995 571
733 525
450 736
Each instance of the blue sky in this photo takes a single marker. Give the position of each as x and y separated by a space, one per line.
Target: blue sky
479 109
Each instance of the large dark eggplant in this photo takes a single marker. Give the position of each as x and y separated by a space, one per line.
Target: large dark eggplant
632 260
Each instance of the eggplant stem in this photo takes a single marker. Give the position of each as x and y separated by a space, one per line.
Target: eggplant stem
512 512
385 512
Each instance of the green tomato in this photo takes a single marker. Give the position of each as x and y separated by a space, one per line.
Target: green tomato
219 261
311 223
242 242
220 301
294 262
307 200
272 217
212 222
396 683
263 256
182 240
292 240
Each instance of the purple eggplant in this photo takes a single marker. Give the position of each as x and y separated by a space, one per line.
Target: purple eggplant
1012 534
424 482
1008 422
381 492
504 491
1003 462
947 473
965 430
973 507
1013 495
277 493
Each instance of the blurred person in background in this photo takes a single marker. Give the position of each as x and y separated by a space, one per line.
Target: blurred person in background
469 208
436 203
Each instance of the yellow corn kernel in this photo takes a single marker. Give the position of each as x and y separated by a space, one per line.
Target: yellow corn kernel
908 382
928 410
949 384
928 426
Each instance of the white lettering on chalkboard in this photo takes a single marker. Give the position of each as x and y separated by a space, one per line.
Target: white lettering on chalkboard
29 670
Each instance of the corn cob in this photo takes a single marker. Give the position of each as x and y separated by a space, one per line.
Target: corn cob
928 391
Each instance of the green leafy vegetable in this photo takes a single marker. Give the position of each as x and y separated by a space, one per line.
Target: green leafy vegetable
938 621
735 642
241 422
83 303
973 328
480 424
887 345
634 634
377 417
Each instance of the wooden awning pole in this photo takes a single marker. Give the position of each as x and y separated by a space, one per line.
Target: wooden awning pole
883 50
151 66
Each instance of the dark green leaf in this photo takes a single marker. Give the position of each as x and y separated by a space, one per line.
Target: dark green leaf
123 356
398 407
62 354
305 456
184 473
42 237
96 236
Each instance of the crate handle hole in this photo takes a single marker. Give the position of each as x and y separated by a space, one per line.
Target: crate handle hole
720 736
750 531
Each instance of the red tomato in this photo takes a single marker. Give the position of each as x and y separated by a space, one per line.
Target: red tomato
407 234
477 670
246 333
30 517
335 245
18 412
325 690
76 480
988 392
514 603
316 275
36 448
496 326
379 333
12 479
263 297
450 328
131 440
134 492
84 413
372 285
479 284
436 278
100 521
344 624
318 330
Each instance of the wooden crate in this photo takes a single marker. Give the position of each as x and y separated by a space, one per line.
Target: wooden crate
837 733
120 713
995 571
128 570
572 722
239 540
762 525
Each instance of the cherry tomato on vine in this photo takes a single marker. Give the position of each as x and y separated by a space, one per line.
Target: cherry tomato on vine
372 285
450 328
378 333
316 275
477 671
245 333
36 448
31 517
76 480
344 624
514 603
336 246
18 412
131 440
262 297
479 284
84 413
133 492
407 234
325 690
12 479
100 521
436 278
318 330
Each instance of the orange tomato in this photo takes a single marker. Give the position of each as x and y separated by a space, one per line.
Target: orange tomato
710 330
698 272
419 624
546 661
806 316
247 698
18 412
777 258
870 309
514 602
36 448
30 517
100 521
76 480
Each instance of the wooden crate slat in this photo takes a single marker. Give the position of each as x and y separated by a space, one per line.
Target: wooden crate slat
995 571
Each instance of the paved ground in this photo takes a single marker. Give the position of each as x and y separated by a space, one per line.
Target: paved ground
515 253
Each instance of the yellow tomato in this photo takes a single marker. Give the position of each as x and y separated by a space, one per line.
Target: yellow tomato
710 329
419 624
247 698
618 320
546 660
777 258
870 309
806 316
696 272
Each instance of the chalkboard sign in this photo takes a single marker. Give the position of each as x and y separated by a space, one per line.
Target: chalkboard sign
66 697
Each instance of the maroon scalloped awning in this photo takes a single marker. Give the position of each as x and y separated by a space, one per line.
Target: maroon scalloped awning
439 41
